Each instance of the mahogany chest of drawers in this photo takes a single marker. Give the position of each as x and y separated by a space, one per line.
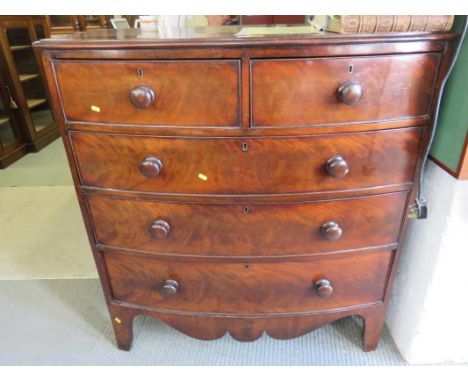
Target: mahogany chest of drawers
245 184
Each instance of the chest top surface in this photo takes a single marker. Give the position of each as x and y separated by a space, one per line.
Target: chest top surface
225 35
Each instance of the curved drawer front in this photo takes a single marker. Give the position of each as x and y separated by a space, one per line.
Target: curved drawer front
247 230
246 166
245 288
170 93
300 92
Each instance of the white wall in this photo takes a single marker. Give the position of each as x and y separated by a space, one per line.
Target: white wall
428 311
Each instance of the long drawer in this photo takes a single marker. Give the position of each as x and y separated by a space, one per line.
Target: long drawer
247 229
169 93
188 165
301 92
248 287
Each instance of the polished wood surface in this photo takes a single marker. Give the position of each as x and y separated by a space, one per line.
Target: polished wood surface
246 229
246 328
382 88
269 195
350 92
223 37
248 287
246 165
195 93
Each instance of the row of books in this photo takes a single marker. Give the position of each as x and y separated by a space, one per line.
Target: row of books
382 23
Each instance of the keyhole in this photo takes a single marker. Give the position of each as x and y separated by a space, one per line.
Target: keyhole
246 210
246 267
140 72
350 69
245 146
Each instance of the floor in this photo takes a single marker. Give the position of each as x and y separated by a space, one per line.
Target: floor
42 234
54 311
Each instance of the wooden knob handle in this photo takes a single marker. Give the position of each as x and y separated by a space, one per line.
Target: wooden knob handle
151 167
331 231
337 166
349 93
170 288
142 97
323 288
159 229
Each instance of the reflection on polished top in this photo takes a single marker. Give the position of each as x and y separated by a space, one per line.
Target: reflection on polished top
228 35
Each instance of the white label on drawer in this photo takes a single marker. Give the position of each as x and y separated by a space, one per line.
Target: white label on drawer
202 176
95 108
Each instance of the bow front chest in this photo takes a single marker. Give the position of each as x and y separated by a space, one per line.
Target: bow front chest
245 184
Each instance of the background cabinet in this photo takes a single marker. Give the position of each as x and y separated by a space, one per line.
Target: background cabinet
276 19
62 24
26 122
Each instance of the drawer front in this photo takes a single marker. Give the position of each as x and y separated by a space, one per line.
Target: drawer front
169 93
246 288
300 92
246 166
247 230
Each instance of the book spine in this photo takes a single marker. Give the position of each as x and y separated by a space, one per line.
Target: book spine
402 23
440 23
350 24
394 23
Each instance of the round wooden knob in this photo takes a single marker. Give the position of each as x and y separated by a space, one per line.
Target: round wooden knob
151 167
323 288
337 166
142 97
170 288
331 231
159 229
349 93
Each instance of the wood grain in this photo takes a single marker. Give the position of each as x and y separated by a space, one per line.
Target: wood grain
269 166
248 287
194 93
299 92
247 229
246 327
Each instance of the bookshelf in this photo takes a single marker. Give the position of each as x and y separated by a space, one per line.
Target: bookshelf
26 123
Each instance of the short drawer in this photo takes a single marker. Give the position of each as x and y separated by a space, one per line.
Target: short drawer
248 287
246 165
247 229
169 93
301 92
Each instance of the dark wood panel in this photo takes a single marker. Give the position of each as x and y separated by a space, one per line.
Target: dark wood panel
249 198
194 93
283 49
247 229
246 166
257 19
187 131
306 91
246 328
240 288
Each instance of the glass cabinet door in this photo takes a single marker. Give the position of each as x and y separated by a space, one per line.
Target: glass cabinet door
92 22
9 132
29 74
64 23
